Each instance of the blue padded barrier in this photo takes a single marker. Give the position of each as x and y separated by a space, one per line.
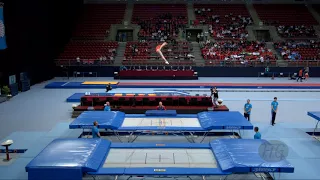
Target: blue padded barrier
242 155
161 113
315 115
161 145
223 120
68 158
106 120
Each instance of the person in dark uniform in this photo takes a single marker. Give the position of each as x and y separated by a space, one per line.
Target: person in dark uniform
161 107
108 88
247 110
274 110
214 96
95 130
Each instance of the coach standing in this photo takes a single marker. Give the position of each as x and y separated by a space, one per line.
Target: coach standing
247 110
274 110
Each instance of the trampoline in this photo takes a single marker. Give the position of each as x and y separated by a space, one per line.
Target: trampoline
69 159
184 124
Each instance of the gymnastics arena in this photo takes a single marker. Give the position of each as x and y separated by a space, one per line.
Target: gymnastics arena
150 89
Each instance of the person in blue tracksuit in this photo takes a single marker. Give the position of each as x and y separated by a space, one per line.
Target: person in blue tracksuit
247 110
257 134
95 130
274 110
107 107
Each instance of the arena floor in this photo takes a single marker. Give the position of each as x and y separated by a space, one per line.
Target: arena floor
34 118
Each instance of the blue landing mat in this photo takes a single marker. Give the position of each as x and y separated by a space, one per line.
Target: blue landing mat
75 85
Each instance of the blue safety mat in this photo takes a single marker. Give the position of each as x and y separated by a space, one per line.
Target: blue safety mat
223 120
105 119
315 115
242 155
161 113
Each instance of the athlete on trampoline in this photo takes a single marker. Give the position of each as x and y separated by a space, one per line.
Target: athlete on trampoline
158 50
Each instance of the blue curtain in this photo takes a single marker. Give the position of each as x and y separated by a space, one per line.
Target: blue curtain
3 44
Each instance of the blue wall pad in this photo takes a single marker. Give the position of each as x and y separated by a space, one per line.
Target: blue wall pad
161 113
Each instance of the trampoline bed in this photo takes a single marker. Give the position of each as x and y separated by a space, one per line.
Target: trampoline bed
71 158
184 124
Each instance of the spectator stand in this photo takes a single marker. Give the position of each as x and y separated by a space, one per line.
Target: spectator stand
237 53
226 21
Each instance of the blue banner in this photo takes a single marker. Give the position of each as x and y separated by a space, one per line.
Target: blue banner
3 44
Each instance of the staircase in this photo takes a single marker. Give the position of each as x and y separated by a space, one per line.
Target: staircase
280 61
197 54
190 11
120 54
128 13
253 13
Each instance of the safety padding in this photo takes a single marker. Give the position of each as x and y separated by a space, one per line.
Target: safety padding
68 159
231 120
161 145
161 113
315 115
242 156
105 119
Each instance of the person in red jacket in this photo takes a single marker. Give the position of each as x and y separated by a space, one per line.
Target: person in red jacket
300 75
161 107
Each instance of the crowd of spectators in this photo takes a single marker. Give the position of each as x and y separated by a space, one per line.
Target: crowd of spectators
228 26
296 31
243 51
161 28
299 50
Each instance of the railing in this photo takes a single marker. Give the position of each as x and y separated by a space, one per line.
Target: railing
208 63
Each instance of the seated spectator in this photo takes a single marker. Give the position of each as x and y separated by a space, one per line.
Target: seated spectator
107 107
298 50
242 51
296 31
161 107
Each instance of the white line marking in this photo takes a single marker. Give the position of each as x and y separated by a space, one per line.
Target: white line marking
65 84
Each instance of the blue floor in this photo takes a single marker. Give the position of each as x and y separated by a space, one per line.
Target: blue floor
36 117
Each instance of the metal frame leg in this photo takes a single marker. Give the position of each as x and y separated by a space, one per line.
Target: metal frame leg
314 131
